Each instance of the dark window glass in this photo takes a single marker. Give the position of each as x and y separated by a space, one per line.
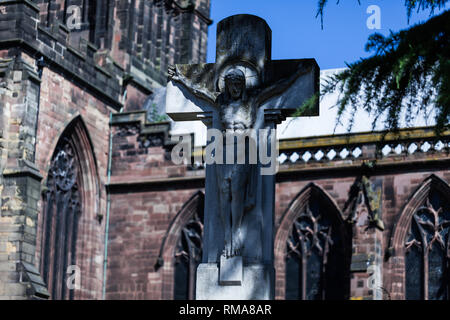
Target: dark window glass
293 281
62 209
426 260
316 260
414 274
188 256
181 280
436 268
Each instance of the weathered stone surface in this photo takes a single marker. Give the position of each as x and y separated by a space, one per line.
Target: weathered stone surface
190 96
246 94
230 271
257 284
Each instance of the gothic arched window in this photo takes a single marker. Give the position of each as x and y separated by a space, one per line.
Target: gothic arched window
316 257
427 250
71 202
60 221
188 255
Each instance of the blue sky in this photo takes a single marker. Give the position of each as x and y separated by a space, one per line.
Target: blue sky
297 33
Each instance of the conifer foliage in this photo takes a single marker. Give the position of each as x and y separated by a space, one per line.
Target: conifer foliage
407 75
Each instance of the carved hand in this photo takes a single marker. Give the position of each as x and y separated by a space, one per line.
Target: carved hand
172 72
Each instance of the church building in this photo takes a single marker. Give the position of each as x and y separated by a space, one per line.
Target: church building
93 207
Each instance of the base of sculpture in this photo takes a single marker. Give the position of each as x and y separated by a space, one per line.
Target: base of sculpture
231 271
256 283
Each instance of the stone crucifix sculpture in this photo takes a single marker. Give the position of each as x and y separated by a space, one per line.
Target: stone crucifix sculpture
242 94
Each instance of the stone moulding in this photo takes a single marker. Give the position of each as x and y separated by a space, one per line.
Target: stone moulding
76 130
395 254
360 137
36 288
146 130
397 240
323 167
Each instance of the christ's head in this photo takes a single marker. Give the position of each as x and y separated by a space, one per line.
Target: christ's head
235 83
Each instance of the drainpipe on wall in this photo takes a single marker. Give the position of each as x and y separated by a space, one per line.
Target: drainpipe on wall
108 200
108 206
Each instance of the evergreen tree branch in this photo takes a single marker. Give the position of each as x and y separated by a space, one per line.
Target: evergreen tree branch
408 73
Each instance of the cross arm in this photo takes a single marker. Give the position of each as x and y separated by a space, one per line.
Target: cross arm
292 83
190 92
181 73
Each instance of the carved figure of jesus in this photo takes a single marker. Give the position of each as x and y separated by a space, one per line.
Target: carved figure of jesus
237 183
237 192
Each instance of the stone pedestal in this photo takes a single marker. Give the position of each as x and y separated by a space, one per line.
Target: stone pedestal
230 271
257 283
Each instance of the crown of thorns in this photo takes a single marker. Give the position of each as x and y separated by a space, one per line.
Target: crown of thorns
234 74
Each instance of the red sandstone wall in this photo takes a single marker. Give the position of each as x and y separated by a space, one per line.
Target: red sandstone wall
142 214
139 221
397 189
61 101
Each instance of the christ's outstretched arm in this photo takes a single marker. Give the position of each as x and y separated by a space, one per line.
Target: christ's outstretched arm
203 93
280 86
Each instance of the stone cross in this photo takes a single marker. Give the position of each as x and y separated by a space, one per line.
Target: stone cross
243 91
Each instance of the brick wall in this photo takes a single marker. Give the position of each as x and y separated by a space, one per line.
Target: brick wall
81 83
53 77
138 224
148 192
62 103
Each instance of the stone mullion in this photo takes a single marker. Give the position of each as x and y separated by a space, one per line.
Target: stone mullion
192 267
304 262
149 29
109 23
169 46
131 23
84 4
66 236
203 42
73 241
165 47
52 236
50 12
3 134
138 20
196 39
159 28
46 232
176 37
64 14
185 38
325 252
101 26
58 273
152 32
425 249
146 30
425 272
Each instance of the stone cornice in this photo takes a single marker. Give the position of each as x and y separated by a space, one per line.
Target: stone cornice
339 168
360 138
145 127
285 174
26 169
